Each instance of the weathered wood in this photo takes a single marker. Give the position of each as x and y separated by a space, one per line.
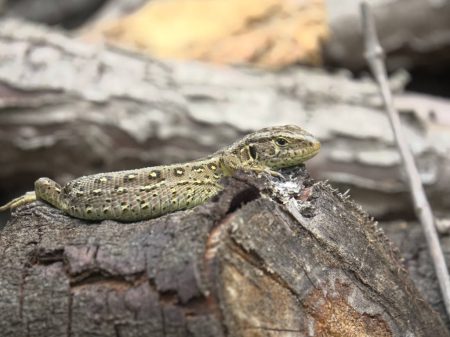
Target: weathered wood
266 258
413 33
410 240
68 109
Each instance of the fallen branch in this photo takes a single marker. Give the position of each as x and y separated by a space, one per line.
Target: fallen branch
375 58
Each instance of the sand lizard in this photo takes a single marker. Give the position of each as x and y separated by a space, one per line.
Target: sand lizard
146 193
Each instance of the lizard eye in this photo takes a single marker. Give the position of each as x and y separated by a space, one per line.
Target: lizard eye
281 141
252 152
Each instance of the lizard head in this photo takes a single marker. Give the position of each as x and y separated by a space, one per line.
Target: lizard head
272 148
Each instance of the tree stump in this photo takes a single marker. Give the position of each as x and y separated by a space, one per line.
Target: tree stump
267 257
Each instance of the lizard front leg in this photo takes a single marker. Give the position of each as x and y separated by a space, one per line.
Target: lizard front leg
260 169
273 173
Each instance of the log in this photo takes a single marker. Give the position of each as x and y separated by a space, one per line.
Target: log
68 109
411 242
267 257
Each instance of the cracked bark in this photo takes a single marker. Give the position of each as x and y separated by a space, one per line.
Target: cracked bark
264 258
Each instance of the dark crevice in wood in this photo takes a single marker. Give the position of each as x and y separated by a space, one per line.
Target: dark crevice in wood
243 197
96 276
23 280
39 256
69 313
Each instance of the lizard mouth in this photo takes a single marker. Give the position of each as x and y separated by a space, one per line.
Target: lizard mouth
312 151
297 157
315 149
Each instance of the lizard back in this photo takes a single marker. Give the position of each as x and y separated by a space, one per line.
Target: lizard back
144 193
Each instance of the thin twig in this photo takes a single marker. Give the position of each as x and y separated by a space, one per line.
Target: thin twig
375 58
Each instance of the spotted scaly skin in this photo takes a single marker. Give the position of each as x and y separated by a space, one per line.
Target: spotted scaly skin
146 193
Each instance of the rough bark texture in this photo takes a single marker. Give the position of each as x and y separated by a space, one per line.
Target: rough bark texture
411 242
266 258
69 109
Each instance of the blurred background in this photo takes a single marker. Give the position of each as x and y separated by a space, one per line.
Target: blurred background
98 85
92 86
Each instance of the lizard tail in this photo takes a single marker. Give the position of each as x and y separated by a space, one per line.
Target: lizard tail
22 200
44 188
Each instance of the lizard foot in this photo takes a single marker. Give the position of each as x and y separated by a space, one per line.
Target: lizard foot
272 173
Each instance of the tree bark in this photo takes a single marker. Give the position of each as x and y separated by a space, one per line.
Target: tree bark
411 242
265 258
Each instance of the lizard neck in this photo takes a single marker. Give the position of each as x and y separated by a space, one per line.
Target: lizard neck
214 166
233 158
226 170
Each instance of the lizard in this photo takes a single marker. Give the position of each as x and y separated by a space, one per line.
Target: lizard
146 193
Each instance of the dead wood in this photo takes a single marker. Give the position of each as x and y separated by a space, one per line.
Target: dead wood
413 33
266 258
422 208
410 240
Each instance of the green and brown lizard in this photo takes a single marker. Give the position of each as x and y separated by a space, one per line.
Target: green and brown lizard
149 192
